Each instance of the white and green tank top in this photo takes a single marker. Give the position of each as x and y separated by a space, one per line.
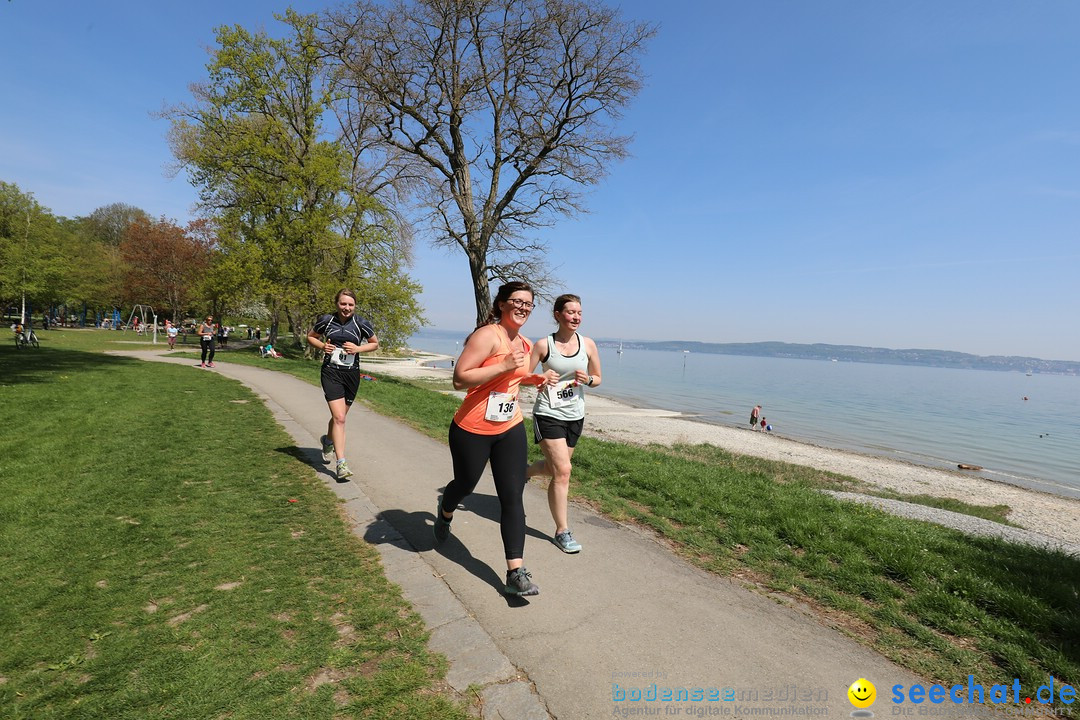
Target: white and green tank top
566 399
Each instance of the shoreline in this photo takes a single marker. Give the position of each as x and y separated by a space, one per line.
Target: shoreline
1053 516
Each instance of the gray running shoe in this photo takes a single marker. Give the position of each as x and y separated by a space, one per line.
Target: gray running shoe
441 528
519 582
327 448
343 470
567 543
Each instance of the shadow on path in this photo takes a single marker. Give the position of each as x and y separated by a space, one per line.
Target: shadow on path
488 507
415 527
312 457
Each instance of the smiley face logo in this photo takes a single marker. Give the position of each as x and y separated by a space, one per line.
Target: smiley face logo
862 693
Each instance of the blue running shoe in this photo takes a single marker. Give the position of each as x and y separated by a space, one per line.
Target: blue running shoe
567 543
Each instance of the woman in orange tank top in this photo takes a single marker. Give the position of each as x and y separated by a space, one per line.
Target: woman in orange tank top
488 426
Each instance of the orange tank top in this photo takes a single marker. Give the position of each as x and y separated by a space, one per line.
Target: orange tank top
482 401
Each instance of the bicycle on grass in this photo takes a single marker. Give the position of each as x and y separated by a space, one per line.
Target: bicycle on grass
25 338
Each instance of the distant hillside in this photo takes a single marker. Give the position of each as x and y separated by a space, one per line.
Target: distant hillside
856 353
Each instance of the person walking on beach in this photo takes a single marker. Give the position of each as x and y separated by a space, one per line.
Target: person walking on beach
570 363
342 336
207 331
489 426
765 424
754 417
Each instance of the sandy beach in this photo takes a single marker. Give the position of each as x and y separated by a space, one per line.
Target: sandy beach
1052 516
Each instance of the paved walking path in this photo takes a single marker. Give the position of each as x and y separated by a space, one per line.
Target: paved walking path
624 616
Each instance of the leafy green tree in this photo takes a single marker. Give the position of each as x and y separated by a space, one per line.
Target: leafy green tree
94 279
498 113
294 223
109 223
221 287
16 209
32 261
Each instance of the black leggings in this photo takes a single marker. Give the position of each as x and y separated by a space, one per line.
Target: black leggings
508 452
208 345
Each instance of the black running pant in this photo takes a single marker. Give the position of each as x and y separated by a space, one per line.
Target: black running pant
207 346
508 453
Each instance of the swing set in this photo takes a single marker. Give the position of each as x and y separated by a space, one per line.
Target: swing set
144 313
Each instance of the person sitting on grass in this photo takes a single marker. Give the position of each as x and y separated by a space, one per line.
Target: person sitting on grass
271 352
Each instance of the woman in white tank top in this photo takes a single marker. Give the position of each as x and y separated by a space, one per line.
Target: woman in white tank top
571 364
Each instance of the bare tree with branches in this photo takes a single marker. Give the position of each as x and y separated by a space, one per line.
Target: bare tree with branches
496 115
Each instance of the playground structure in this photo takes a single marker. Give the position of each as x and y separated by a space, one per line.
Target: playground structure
146 314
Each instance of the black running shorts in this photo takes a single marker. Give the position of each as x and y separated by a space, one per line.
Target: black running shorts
339 383
549 428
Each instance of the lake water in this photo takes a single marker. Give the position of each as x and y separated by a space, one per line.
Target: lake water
931 416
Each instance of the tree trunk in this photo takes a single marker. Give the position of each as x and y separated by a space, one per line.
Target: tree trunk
274 322
300 328
174 305
481 290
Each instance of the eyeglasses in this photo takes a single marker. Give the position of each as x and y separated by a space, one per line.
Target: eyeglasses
521 304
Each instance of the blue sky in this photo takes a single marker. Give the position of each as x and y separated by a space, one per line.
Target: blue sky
890 174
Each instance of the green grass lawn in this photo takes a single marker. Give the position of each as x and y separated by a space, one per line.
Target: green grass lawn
167 556
932 599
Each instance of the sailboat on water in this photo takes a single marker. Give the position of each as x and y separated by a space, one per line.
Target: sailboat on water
619 351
